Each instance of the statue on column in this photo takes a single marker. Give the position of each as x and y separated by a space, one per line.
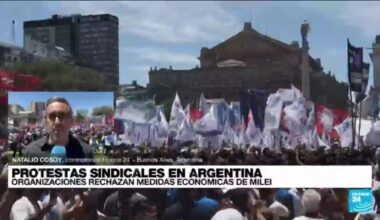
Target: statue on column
305 29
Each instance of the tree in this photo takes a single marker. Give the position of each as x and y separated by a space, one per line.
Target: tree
103 110
80 117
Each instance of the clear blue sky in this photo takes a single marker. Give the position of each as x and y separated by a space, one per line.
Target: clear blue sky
78 100
171 33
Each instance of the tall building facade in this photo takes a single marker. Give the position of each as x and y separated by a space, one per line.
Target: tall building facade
373 106
91 40
37 107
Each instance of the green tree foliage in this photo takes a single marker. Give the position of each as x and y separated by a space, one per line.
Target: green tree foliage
58 76
103 110
80 117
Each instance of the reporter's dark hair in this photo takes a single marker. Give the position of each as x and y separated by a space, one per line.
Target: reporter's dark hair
61 100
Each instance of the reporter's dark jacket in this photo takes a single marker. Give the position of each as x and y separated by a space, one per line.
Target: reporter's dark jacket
76 151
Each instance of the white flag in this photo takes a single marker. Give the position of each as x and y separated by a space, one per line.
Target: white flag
129 137
373 136
187 110
285 139
210 141
295 114
186 132
327 119
228 134
136 111
235 117
253 133
314 139
287 95
155 139
273 112
310 124
296 139
161 125
203 106
344 131
268 140
297 92
208 124
323 143
177 116
141 133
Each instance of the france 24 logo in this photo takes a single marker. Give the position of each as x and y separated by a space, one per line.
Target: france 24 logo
360 200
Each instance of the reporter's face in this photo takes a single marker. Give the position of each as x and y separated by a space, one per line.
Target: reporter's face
58 120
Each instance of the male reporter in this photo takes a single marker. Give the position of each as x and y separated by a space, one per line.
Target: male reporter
58 121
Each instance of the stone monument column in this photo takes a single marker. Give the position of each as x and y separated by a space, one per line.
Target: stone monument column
305 67
375 57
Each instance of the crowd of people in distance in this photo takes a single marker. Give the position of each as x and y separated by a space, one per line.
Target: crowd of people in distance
174 204
101 139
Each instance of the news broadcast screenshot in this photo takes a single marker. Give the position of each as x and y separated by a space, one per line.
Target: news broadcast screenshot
189 110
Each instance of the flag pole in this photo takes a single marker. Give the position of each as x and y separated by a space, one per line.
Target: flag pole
352 118
354 127
351 101
360 118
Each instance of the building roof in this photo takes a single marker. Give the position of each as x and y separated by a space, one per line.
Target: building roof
132 86
246 40
70 19
248 34
247 37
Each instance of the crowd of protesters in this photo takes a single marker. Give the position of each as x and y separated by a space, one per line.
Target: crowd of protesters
103 141
100 138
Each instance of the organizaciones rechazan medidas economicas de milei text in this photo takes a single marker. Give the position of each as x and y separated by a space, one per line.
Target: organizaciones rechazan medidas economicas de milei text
135 176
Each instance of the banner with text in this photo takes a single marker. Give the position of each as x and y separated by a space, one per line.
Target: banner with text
189 176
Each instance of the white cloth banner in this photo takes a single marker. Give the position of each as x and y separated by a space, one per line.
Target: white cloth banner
136 111
253 133
327 119
310 124
373 136
208 124
177 115
267 139
210 141
186 132
141 133
160 126
295 115
285 139
203 106
228 134
273 112
344 131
